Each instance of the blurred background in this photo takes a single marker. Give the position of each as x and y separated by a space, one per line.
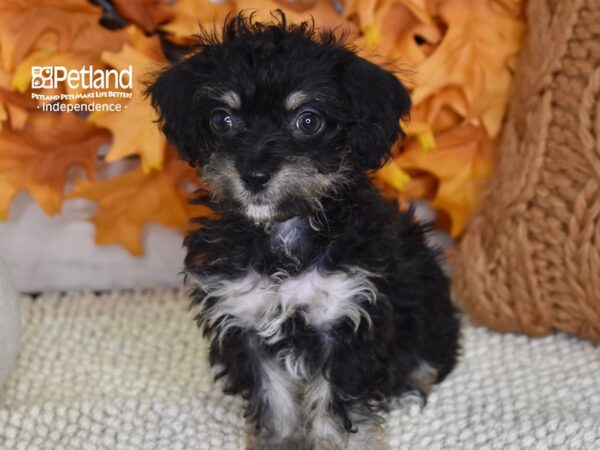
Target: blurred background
95 198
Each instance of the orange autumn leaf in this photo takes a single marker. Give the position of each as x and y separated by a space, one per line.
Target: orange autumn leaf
513 7
37 158
420 186
148 48
462 163
367 10
47 53
360 11
147 14
134 127
298 5
474 55
134 132
73 23
440 112
129 201
399 30
393 175
71 60
407 32
191 14
14 107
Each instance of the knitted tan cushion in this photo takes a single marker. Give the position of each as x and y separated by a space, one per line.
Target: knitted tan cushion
530 259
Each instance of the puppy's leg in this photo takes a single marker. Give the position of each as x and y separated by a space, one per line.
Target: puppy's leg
280 414
325 430
423 378
369 435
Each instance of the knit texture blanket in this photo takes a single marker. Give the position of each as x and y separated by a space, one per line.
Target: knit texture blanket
128 370
530 258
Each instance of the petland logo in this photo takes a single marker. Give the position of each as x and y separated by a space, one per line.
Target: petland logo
89 83
49 77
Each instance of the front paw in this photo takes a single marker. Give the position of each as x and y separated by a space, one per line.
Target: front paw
369 436
365 437
264 441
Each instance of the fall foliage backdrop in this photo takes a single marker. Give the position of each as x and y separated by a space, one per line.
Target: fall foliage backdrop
457 58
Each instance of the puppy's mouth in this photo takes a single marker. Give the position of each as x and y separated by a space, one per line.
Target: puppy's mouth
260 212
295 189
268 205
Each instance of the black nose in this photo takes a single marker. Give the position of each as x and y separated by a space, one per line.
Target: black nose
256 179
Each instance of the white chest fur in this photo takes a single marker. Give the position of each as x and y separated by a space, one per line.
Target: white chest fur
263 304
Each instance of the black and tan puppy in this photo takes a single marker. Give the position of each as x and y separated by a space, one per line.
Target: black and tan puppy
321 299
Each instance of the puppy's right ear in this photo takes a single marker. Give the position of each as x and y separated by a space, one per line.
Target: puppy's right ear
379 101
171 95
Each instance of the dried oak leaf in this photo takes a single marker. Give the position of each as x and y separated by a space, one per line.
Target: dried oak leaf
134 128
147 14
74 23
14 107
462 163
439 113
513 7
191 14
44 56
474 55
399 30
37 158
442 111
47 53
129 201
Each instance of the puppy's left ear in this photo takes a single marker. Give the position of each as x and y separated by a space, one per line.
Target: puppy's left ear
171 95
379 100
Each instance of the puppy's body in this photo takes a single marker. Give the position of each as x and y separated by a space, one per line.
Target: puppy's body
317 323
321 299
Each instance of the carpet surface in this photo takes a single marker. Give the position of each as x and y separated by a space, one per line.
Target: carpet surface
128 370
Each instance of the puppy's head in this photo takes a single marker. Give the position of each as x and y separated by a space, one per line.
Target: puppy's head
277 116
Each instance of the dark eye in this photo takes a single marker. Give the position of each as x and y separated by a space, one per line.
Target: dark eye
221 121
309 123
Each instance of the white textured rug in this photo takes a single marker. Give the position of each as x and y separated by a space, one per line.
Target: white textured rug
128 371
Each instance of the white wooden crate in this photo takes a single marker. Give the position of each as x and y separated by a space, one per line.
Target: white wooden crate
59 253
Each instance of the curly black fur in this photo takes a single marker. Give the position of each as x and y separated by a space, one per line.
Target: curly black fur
348 226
